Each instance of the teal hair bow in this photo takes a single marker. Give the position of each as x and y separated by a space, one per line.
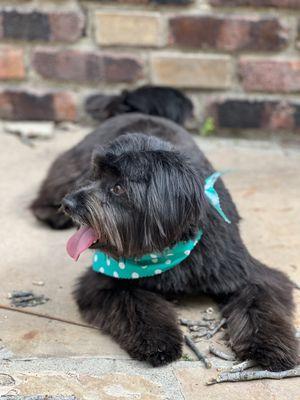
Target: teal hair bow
212 195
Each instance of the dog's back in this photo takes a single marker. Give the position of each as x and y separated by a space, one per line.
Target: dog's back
151 100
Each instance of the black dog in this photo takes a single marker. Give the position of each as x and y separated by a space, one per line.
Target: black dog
140 192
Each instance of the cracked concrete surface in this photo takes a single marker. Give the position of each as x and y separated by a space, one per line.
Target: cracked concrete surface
46 357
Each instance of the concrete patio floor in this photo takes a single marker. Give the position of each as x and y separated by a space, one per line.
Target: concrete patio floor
47 357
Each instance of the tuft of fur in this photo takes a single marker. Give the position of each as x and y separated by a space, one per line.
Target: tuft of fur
160 174
260 320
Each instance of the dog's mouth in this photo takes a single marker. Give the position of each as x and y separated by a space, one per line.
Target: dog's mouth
82 240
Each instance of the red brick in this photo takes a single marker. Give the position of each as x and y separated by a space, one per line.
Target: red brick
228 33
155 2
171 2
66 27
81 67
12 64
21 105
64 107
68 65
280 116
191 71
122 69
41 26
257 3
239 114
114 28
270 75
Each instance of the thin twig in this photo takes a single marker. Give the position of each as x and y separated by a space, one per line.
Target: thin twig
194 324
243 366
221 354
208 318
198 353
46 316
26 140
253 375
199 335
197 328
216 329
26 299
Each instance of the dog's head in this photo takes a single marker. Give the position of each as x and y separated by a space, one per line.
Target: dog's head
141 196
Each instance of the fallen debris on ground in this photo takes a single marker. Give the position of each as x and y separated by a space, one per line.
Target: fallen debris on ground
26 299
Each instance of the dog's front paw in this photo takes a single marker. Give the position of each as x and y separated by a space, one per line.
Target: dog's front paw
158 349
277 357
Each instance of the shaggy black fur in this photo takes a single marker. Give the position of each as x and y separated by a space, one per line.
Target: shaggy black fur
143 192
152 100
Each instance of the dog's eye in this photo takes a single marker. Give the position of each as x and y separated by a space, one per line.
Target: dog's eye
117 190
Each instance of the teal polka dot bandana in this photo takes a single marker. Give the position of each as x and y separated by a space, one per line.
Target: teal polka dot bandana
148 265
156 263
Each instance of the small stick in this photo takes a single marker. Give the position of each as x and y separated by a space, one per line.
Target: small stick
198 353
216 329
253 375
197 328
190 323
243 366
19 293
26 140
199 335
46 316
221 354
208 318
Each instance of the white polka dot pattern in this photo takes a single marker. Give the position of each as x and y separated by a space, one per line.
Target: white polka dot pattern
144 266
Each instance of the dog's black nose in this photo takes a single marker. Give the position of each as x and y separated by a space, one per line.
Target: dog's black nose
68 204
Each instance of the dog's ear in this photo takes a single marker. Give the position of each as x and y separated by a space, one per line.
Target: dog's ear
176 205
98 157
103 161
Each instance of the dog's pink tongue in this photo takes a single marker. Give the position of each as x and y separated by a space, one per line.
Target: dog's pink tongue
80 241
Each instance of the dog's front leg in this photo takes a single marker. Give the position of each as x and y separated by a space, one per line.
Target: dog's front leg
144 324
259 318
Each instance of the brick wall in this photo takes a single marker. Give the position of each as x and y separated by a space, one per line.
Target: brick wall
239 60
